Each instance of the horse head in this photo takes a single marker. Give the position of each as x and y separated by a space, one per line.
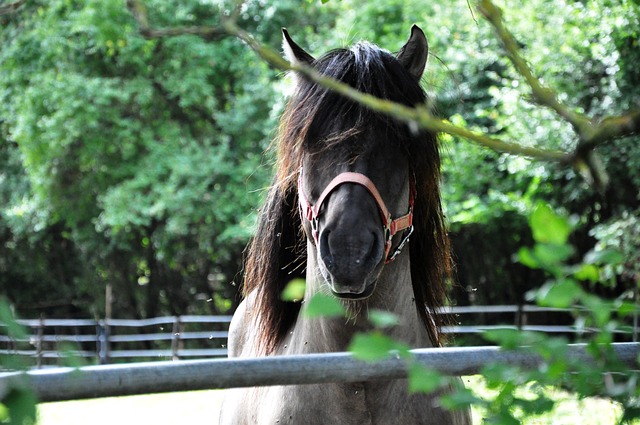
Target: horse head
355 185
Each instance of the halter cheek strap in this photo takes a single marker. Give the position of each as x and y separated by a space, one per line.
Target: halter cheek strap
391 226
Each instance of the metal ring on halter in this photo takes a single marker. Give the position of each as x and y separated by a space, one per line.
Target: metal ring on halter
403 242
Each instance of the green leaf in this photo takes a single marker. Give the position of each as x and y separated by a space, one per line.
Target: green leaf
599 308
587 272
559 294
321 305
4 413
511 339
549 227
375 346
21 404
294 291
14 329
626 308
551 255
423 379
383 319
545 256
506 338
461 399
526 257
606 256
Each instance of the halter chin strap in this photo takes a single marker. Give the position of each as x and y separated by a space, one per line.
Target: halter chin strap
391 226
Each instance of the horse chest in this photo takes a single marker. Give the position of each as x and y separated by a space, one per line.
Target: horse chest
315 405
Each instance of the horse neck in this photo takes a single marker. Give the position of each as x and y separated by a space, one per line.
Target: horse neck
393 293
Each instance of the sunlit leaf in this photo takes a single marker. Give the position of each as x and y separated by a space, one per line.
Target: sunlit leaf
461 398
511 339
600 309
422 379
294 291
627 308
549 255
526 257
321 305
4 413
605 256
559 294
506 338
549 227
21 404
587 272
375 345
13 329
383 319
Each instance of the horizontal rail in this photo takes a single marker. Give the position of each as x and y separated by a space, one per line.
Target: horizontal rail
111 339
121 354
154 321
157 377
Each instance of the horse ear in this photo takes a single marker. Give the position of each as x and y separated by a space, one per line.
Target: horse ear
413 55
293 52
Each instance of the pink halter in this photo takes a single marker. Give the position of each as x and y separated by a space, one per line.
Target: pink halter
391 226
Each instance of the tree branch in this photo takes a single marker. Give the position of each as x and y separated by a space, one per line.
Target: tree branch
6 9
420 116
542 94
590 134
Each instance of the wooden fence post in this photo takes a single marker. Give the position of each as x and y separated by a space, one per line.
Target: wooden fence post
635 312
39 338
521 317
102 333
175 341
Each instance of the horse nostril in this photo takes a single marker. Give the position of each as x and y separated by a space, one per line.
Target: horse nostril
325 250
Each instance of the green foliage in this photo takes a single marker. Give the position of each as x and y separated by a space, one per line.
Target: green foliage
508 403
294 291
18 407
138 160
17 403
375 345
142 157
599 318
321 305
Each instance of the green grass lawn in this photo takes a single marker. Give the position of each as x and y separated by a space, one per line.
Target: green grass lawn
193 408
201 407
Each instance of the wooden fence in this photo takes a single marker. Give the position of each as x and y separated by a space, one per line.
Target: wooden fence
49 341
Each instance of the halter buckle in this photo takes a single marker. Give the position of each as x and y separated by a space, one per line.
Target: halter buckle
403 242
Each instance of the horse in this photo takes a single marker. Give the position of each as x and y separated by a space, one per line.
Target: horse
354 208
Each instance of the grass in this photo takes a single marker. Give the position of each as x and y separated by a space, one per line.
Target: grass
193 408
202 407
568 409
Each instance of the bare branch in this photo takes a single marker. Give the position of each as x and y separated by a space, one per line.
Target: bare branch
8 8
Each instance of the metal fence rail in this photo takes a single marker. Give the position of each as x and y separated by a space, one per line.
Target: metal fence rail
157 377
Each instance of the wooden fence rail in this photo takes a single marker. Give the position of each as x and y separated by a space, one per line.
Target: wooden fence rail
188 337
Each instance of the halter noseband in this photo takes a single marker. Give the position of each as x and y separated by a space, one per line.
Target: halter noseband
391 226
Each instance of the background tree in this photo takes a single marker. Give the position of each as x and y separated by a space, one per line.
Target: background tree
138 162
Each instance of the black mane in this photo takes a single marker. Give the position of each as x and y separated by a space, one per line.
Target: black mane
315 119
366 68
